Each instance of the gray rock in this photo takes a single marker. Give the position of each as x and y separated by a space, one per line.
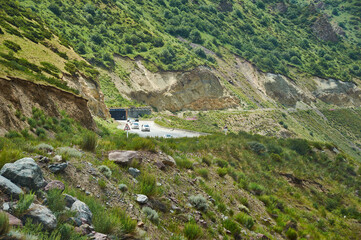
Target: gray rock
69 200
9 188
41 214
55 184
169 161
82 211
57 167
25 173
142 199
134 172
58 158
6 206
125 158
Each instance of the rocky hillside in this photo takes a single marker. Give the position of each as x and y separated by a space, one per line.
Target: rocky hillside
214 187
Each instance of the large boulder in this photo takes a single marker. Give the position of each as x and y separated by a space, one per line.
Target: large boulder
69 200
41 214
82 211
168 160
125 158
9 188
25 173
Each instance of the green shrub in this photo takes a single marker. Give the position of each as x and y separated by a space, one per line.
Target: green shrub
244 219
25 200
203 172
222 172
256 188
221 163
13 46
68 151
192 231
40 131
32 122
199 202
291 234
231 226
301 146
184 163
105 171
9 156
151 214
257 147
147 184
276 157
12 134
45 147
56 201
207 161
90 141
122 187
4 224
102 183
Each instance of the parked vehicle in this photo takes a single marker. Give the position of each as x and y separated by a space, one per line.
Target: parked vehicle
145 128
168 136
135 125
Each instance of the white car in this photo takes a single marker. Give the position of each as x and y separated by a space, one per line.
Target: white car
145 128
135 125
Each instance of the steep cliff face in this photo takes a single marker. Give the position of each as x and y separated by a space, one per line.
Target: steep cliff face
90 90
23 95
198 89
235 83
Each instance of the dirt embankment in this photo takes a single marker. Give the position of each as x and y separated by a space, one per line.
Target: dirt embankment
18 94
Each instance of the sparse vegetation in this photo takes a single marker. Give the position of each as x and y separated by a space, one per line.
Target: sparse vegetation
151 214
199 202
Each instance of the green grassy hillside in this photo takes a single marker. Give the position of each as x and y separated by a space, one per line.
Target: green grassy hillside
272 34
223 187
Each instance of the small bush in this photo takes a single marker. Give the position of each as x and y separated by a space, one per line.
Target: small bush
291 234
68 151
244 219
102 183
56 201
105 171
192 231
40 131
222 163
256 188
25 200
9 156
184 163
232 226
199 202
12 134
276 157
45 147
90 141
203 172
13 46
207 161
4 224
257 147
147 184
122 187
222 172
299 145
151 214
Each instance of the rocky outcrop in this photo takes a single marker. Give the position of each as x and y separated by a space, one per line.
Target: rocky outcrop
323 29
25 173
23 95
344 94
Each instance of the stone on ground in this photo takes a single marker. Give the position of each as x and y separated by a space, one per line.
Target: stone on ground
41 214
9 188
